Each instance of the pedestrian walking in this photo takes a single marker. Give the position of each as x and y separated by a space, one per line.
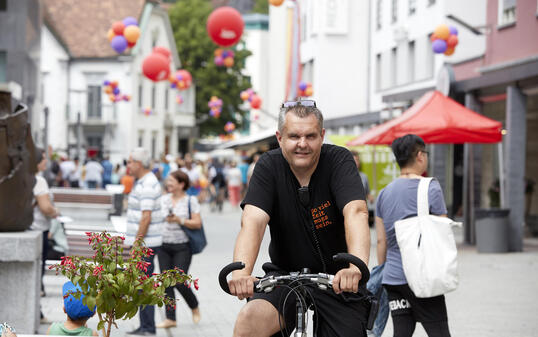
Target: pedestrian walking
398 201
233 179
93 174
44 209
144 219
182 211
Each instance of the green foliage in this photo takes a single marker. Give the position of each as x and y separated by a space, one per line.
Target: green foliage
261 6
115 286
196 51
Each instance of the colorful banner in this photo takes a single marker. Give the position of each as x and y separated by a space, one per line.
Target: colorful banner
377 162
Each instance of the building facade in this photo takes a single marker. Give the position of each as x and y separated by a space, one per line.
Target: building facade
20 53
503 84
82 120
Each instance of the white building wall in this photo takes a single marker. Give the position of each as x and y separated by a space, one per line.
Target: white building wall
54 62
417 27
334 52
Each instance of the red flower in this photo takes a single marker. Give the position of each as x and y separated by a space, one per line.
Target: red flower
196 284
97 271
89 233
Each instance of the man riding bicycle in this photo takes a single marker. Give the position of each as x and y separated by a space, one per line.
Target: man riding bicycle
312 197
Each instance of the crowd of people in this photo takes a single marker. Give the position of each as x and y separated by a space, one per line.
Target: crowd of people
314 200
213 180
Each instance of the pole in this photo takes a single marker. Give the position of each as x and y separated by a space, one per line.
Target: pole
79 136
46 131
501 174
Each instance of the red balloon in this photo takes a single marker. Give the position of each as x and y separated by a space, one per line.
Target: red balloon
225 26
452 41
118 27
163 51
186 77
156 67
256 102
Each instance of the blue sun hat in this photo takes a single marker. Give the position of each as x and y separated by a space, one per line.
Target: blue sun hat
74 307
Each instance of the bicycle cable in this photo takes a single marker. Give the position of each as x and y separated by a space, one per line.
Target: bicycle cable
302 302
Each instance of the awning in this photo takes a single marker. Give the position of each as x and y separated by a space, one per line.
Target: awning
436 119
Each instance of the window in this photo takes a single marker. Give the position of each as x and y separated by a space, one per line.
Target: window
378 71
140 90
411 61
140 138
94 101
153 90
3 5
153 144
393 66
394 11
379 16
412 7
3 66
507 12
166 98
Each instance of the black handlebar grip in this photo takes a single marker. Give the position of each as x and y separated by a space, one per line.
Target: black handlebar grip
345 257
224 273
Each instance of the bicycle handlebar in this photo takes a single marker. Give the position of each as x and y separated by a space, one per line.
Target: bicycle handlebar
340 257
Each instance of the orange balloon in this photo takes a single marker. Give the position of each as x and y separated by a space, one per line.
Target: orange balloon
449 51
131 33
110 34
108 89
203 182
308 91
433 37
276 2
442 32
112 97
229 62
217 52
452 41
244 95
114 84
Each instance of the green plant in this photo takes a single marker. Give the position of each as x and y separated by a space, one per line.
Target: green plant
118 286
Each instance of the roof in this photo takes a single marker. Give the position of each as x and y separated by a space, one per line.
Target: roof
82 26
437 119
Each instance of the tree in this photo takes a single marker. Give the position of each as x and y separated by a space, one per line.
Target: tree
261 6
196 52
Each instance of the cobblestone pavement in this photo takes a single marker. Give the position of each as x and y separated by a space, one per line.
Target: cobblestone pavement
498 293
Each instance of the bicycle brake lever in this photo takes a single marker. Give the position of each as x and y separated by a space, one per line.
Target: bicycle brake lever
324 281
266 284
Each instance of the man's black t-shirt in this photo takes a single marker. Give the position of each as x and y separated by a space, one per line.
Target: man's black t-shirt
297 231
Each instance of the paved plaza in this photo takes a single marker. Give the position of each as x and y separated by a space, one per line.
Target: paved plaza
497 296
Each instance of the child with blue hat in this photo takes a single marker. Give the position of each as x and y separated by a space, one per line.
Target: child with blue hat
77 315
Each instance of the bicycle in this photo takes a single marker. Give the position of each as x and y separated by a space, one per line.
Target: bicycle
303 279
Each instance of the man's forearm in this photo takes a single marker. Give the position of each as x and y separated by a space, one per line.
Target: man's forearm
358 238
247 247
143 226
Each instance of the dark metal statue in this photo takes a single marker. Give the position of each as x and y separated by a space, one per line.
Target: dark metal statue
18 166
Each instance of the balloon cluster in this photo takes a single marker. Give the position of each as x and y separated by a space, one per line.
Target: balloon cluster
444 39
305 89
229 127
215 106
112 89
225 26
182 79
276 3
156 66
251 96
123 34
147 111
224 57
179 99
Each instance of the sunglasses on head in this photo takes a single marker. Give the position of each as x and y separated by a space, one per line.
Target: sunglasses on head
305 102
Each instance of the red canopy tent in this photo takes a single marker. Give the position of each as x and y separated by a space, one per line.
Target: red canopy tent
436 119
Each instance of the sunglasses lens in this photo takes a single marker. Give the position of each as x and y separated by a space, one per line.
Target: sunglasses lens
289 104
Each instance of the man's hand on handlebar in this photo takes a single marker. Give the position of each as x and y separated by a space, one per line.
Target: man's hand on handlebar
241 284
347 280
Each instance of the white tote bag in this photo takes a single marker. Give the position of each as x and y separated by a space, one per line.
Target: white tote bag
428 249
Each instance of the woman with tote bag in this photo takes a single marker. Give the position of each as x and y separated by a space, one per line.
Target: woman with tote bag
395 202
182 214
